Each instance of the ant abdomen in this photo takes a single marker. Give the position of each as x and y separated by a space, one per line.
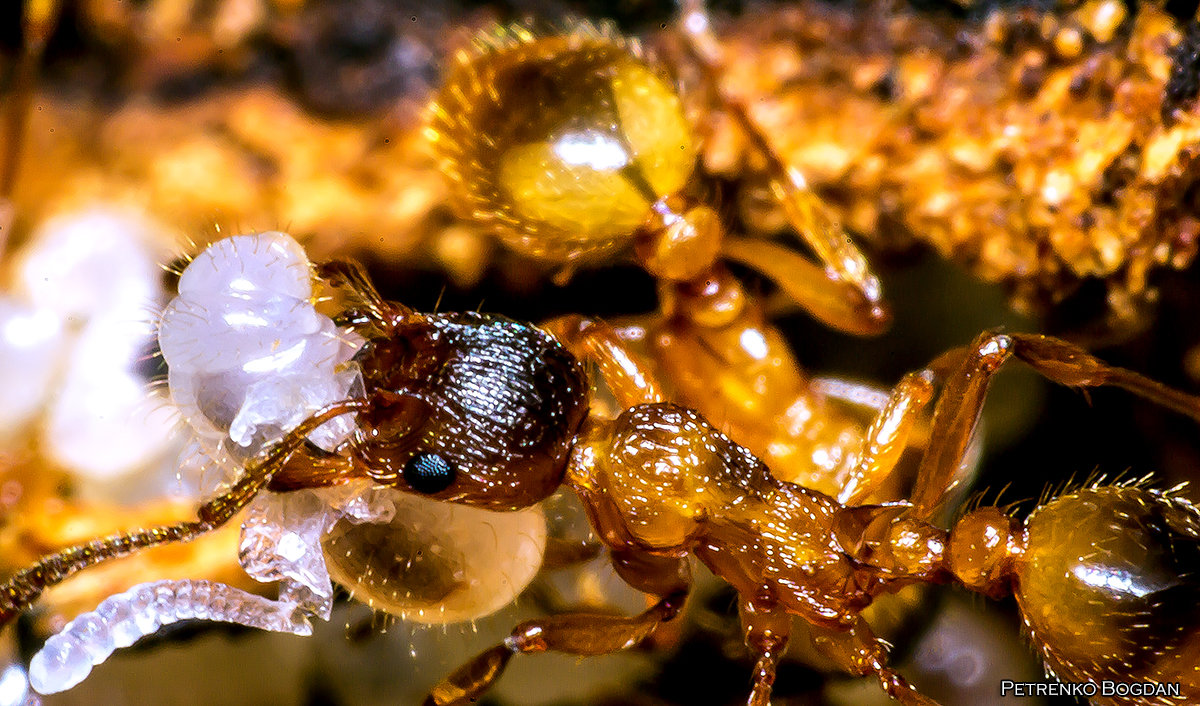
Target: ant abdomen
437 562
1107 579
1109 587
562 143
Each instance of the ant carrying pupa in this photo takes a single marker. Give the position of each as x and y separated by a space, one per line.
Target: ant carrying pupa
477 410
399 420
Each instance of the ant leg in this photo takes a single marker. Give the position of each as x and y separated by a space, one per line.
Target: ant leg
1067 364
561 553
855 394
824 292
24 587
868 399
839 289
584 634
37 23
887 437
767 633
860 653
596 342
968 373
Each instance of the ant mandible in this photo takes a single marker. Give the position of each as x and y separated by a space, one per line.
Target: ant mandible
483 411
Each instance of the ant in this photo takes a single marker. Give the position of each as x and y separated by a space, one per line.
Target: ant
573 147
482 411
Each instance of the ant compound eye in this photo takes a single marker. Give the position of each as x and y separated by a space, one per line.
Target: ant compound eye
429 473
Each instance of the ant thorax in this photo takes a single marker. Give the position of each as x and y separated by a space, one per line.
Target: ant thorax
250 358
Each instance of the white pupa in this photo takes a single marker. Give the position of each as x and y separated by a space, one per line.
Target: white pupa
249 356
75 327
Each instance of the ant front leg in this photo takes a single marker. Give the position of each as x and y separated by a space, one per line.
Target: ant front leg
886 438
24 587
839 289
968 374
584 634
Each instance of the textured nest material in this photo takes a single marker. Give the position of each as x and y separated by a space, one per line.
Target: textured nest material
1037 150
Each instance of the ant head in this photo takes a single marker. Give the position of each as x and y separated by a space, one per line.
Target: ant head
563 143
470 408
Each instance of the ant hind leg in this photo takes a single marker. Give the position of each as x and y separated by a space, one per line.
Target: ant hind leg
860 653
967 374
578 633
838 288
1067 364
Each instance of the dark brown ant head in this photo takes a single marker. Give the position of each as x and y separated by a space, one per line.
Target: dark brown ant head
470 408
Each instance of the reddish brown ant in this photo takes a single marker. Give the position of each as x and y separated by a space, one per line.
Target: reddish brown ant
572 148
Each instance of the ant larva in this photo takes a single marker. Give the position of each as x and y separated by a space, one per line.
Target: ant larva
488 413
